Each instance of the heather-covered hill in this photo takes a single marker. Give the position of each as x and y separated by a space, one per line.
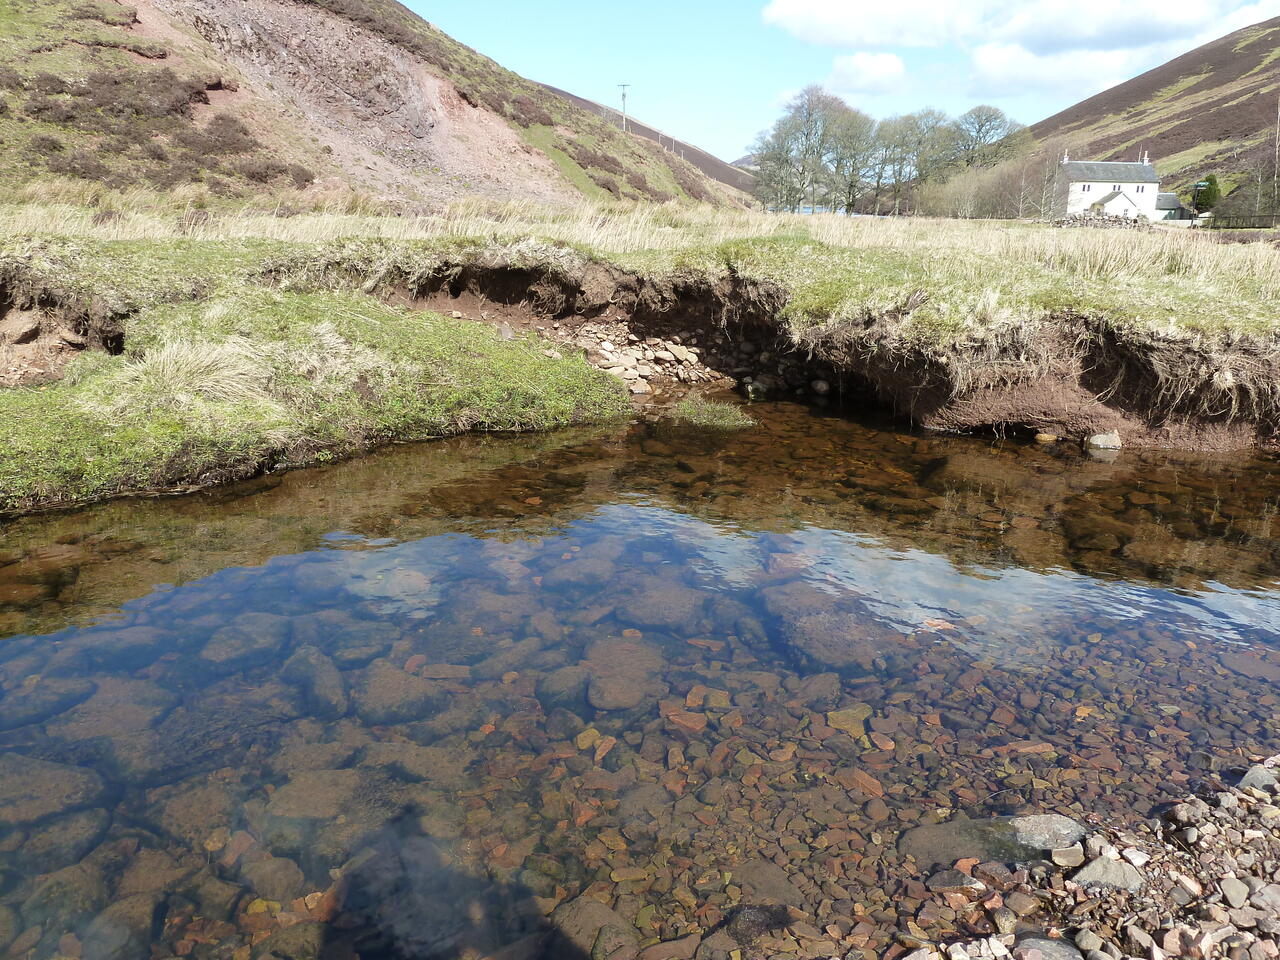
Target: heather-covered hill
238 97
1212 110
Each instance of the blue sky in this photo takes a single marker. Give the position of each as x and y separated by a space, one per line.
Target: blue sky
716 72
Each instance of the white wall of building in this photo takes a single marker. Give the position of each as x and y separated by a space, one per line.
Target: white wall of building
1082 195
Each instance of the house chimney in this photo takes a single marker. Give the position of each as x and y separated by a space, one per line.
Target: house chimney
1146 157
1066 156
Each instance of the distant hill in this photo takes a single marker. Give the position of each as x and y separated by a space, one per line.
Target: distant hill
1212 110
237 97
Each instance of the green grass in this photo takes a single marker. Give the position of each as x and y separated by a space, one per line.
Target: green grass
254 377
544 138
707 414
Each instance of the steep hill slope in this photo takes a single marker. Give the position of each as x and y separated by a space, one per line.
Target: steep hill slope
712 166
1212 110
236 97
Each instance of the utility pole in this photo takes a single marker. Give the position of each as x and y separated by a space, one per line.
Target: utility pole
624 87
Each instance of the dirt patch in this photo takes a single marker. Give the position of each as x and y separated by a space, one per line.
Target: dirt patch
35 346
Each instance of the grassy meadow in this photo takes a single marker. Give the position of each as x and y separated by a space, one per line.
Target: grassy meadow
260 337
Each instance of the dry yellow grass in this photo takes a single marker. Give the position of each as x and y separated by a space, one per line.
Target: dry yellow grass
1097 254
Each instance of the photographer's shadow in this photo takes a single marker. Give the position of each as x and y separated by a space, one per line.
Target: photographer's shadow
401 899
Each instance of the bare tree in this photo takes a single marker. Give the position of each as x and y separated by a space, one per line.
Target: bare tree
853 156
980 133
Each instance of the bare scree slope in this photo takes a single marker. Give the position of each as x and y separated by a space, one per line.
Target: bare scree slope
244 95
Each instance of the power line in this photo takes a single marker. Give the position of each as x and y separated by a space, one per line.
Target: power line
624 87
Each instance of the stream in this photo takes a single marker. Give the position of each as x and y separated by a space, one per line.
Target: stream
413 705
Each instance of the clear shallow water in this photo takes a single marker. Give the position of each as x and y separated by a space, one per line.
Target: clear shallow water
406 706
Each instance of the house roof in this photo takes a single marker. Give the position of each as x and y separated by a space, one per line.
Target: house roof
1168 201
1103 201
1116 172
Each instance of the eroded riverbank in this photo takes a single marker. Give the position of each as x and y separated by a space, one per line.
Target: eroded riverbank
179 364
635 678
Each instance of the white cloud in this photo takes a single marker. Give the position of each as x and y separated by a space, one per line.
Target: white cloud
904 23
1040 26
1007 69
867 73
1070 48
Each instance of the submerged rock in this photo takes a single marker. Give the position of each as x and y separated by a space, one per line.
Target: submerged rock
683 949
10 925
319 681
64 841
194 810
579 924
565 688
1003 839
46 698
823 630
403 889
33 790
1258 777
749 923
622 673
320 817
768 881
662 604
275 878
250 640
302 941
388 694
124 930
65 898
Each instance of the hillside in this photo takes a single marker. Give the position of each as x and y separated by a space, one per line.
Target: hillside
727 173
233 98
1212 110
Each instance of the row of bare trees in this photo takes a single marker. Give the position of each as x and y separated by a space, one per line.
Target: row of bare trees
824 154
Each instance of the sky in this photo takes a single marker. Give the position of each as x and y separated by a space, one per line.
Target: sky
715 73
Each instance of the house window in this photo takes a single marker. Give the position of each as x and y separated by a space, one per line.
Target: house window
1084 187
1142 189
1115 187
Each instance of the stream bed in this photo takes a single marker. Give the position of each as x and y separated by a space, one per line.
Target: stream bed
413 705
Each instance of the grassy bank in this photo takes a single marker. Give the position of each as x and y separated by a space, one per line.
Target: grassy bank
252 340
973 273
244 378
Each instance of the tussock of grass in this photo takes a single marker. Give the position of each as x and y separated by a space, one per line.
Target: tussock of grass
711 414
221 388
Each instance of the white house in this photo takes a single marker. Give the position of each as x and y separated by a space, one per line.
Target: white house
1117 189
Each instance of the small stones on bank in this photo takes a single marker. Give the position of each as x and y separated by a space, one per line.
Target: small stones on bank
1202 882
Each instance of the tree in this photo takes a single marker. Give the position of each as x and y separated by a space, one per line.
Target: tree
797 151
824 153
779 183
983 136
1208 196
852 157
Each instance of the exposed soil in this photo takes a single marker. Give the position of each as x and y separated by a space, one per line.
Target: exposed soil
379 111
1075 379
1071 378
